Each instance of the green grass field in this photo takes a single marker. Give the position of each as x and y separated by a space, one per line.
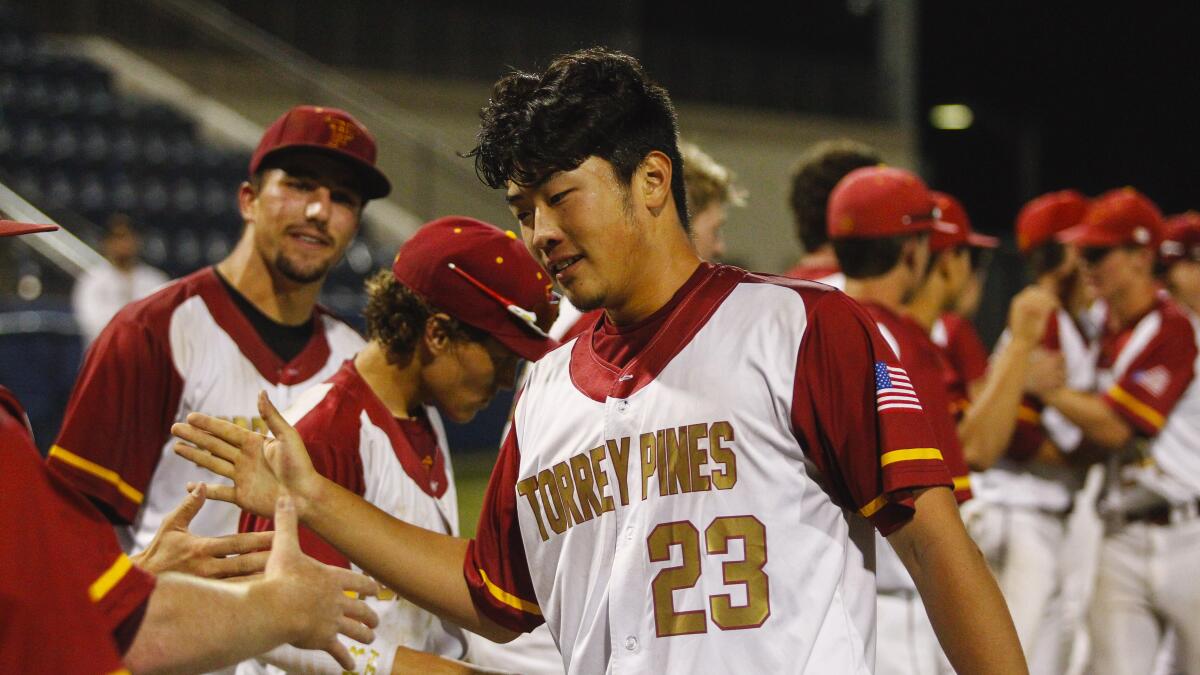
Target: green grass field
471 471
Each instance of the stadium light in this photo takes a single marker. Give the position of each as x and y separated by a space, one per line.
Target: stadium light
951 117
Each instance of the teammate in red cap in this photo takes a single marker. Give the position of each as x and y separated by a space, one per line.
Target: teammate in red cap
74 603
212 340
880 221
446 326
956 269
690 484
1179 255
1146 415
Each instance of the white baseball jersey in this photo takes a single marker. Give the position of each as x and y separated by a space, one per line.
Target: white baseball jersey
687 494
400 466
1014 480
185 348
1147 373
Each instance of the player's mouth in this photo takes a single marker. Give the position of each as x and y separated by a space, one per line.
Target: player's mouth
562 266
310 239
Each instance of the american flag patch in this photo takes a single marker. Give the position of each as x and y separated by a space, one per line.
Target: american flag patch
893 389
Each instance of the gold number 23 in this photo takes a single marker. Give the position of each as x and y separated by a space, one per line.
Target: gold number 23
748 571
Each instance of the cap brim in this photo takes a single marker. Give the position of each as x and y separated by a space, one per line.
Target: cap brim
1085 235
374 184
982 240
11 228
527 346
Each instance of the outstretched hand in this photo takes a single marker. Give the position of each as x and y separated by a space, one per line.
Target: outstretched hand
317 596
261 468
175 549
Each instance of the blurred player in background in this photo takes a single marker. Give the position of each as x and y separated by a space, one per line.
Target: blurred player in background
1179 256
955 270
212 340
710 191
74 603
1146 415
442 336
626 448
1025 495
103 290
816 173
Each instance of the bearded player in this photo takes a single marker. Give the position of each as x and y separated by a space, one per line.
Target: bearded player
713 416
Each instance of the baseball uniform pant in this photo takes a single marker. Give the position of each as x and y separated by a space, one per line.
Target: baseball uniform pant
1023 546
905 643
1148 581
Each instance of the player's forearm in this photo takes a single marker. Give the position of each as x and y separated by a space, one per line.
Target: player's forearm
189 626
962 599
989 423
1099 423
423 566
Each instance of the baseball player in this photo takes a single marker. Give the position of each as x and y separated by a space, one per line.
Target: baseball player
816 173
212 340
880 221
710 189
447 324
1028 490
1149 401
954 271
75 603
1179 256
690 484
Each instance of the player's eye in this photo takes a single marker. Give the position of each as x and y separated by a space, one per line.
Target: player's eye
557 197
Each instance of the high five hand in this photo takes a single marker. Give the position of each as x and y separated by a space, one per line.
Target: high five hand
262 468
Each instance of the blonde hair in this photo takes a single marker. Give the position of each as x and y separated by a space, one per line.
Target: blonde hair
707 181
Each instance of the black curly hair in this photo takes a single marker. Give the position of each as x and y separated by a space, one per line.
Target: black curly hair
592 102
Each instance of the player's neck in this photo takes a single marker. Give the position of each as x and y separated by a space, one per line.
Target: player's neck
887 291
284 301
393 384
820 257
928 303
659 277
1133 304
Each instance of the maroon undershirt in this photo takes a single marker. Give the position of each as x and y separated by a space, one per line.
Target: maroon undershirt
618 345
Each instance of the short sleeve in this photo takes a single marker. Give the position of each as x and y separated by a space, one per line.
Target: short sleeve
495 568
858 417
119 416
1156 378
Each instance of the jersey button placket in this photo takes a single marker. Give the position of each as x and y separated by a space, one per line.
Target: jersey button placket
631 643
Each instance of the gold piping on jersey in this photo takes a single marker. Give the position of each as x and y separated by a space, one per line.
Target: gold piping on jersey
106 475
100 587
909 454
873 506
508 598
1130 403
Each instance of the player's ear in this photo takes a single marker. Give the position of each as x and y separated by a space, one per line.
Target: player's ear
436 339
653 180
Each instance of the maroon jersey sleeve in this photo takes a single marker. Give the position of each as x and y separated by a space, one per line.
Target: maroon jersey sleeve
495 567
332 443
869 440
75 586
1157 377
964 349
120 413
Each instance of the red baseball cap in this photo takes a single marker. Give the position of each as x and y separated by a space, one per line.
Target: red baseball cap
881 201
1117 217
1045 216
953 213
330 131
1182 238
11 228
482 276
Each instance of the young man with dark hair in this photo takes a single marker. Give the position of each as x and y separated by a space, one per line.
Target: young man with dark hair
710 415
816 173
1145 414
75 603
213 339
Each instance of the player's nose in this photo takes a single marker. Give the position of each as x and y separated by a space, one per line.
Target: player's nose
319 205
547 232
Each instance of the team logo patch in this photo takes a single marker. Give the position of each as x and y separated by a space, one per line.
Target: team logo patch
1154 380
893 389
